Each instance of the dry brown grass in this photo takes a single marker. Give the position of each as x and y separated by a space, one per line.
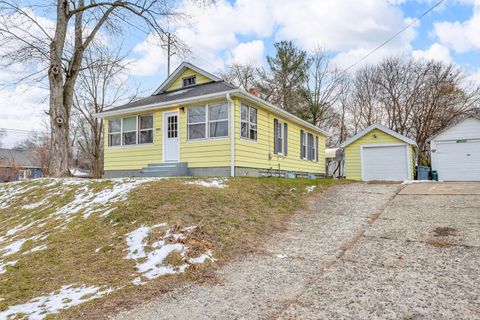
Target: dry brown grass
230 221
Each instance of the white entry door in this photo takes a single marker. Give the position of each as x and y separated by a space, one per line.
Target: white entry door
458 161
171 140
389 162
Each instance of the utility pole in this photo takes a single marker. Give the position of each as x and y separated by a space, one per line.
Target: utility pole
169 51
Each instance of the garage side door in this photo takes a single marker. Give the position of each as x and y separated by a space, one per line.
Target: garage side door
458 161
385 163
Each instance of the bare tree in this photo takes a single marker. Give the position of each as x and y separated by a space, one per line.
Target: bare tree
321 90
59 49
243 76
414 98
102 84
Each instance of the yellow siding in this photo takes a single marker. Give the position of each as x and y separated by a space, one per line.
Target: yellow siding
255 154
217 152
203 153
353 166
136 156
178 83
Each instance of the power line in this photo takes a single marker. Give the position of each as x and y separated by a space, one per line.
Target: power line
20 130
396 34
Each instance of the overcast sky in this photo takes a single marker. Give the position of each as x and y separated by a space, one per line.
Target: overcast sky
244 31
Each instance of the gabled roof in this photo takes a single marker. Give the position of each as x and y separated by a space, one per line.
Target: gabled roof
381 128
470 116
18 158
175 95
203 92
178 72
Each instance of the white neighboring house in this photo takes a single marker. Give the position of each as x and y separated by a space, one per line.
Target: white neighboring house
455 151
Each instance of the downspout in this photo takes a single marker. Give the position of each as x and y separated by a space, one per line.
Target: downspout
231 107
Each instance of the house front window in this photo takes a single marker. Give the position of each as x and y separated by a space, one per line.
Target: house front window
210 121
130 130
115 132
248 122
146 129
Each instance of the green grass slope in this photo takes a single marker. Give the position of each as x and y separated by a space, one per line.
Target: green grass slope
83 248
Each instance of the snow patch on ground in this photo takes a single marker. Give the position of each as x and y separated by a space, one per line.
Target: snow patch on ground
3 266
68 296
309 189
209 183
13 247
417 181
99 201
150 263
35 249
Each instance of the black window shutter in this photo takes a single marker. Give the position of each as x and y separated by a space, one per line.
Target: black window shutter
285 140
275 136
301 145
316 148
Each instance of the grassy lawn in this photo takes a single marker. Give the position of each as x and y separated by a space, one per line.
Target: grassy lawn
68 237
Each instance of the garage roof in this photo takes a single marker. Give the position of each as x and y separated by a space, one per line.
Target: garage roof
381 128
454 124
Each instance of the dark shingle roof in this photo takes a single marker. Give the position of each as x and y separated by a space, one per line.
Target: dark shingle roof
191 92
19 158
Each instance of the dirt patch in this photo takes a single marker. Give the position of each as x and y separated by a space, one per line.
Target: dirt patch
437 243
444 232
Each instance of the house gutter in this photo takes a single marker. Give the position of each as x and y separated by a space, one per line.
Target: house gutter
231 107
246 95
155 106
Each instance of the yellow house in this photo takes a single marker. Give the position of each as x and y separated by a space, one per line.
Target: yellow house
197 124
378 153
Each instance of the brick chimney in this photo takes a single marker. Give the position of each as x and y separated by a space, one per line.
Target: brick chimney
253 91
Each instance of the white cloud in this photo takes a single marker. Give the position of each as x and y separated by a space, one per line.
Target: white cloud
22 108
353 27
461 36
249 53
436 52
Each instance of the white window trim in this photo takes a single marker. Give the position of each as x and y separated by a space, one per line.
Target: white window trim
305 145
207 123
137 130
281 124
116 132
142 130
189 77
248 122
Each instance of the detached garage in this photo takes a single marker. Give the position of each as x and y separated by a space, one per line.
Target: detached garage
455 152
378 153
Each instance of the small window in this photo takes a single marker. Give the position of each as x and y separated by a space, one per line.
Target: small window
197 123
146 129
303 145
129 131
114 132
189 81
218 120
248 122
280 138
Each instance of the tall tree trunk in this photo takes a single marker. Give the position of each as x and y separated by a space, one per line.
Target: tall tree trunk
59 115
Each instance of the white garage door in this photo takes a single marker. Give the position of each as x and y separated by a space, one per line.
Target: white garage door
458 161
385 163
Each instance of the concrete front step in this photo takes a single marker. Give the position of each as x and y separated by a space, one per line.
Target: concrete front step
165 170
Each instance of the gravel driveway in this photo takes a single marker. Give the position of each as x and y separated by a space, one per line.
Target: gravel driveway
361 251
